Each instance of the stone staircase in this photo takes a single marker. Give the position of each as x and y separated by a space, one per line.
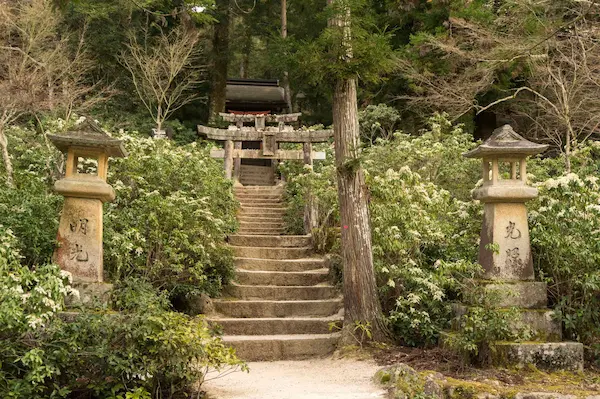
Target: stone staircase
280 305
254 175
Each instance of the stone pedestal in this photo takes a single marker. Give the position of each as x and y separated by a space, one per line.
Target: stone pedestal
505 252
80 229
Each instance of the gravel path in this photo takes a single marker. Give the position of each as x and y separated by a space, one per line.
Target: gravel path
310 379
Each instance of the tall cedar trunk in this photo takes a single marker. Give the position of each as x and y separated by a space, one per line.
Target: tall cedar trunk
361 302
221 61
8 168
286 78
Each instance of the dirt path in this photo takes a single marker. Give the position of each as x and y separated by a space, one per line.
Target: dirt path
310 379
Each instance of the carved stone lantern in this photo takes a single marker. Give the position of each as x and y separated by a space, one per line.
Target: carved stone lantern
505 251
80 229
505 254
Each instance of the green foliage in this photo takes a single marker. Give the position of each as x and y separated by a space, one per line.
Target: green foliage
378 121
435 154
143 352
565 231
169 221
338 54
481 323
424 240
30 209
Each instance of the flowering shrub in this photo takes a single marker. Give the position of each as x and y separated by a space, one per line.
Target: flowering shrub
145 349
31 209
164 236
169 221
565 231
424 234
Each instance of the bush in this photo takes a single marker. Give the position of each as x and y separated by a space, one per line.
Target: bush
31 209
169 221
424 233
565 234
144 350
378 122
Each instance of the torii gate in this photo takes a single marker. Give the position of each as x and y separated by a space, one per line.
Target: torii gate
269 136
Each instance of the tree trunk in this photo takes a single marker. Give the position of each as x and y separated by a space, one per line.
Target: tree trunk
221 62
568 149
6 158
286 79
361 301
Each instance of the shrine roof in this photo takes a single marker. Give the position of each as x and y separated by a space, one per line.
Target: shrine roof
505 141
89 135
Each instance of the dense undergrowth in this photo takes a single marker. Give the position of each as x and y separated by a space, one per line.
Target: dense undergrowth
426 231
163 241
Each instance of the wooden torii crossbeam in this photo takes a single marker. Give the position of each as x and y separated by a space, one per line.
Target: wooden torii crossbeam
270 136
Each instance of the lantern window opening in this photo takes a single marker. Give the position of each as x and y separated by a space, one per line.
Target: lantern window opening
504 170
87 166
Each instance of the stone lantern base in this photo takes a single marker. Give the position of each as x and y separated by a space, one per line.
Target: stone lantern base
545 349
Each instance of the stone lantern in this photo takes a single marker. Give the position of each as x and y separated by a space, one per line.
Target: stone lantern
80 229
505 251
505 255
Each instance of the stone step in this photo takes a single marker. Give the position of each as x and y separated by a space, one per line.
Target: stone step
305 278
260 197
265 181
270 241
551 356
265 212
265 308
257 183
258 226
282 293
257 205
282 347
262 232
267 184
261 219
273 326
259 190
255 202
271 253
280 265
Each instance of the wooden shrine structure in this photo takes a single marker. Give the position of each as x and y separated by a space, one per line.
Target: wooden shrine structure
257 136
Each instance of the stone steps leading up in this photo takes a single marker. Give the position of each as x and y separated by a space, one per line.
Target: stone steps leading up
277 293
280 305
262 232
259 226
260 219
268 308
259 197
271 253
262 212
293 278
282 265
282 347
271 241
277 325
256 203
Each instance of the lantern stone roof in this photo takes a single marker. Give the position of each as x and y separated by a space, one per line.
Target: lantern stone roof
505 141
89 135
